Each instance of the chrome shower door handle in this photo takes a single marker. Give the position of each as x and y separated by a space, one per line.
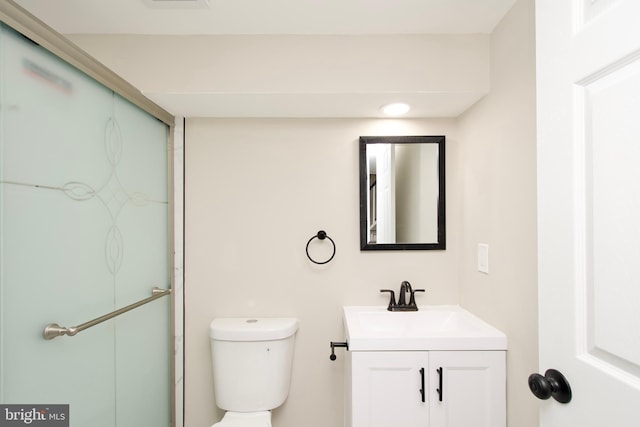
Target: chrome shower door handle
53 330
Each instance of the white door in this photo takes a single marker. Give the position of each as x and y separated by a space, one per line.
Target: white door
386 197
588 71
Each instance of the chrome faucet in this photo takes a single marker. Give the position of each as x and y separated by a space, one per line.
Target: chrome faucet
402 305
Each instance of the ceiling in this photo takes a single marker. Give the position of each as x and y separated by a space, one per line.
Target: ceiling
266 18
270 17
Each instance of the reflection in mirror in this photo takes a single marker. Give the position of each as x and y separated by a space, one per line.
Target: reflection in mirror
402 192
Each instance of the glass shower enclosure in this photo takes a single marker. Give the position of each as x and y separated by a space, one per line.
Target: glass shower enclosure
84 226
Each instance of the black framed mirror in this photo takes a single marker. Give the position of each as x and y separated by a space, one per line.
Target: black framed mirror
402 193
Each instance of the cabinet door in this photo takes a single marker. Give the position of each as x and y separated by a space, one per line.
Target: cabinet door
386 389
467 388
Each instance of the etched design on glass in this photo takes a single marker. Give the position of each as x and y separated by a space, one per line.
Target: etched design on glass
140 199
112 194
114 249
78 191
113 141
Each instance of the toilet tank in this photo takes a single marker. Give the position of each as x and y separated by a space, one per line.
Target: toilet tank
252 360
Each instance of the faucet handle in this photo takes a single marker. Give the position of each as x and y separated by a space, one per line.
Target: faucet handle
412 299
392 299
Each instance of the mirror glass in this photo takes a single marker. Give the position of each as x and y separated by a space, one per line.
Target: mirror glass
402 193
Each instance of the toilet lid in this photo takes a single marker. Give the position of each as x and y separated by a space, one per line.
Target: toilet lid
245 419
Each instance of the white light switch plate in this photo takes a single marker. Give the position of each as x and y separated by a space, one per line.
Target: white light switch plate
483 258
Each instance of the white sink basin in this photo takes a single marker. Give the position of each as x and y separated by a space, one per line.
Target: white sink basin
437 327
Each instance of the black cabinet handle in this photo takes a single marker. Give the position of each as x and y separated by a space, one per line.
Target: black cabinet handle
439 389
422 384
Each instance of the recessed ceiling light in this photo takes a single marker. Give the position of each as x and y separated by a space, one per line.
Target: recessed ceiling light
395 109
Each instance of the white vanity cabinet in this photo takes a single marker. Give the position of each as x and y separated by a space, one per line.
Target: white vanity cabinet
425 389
440 366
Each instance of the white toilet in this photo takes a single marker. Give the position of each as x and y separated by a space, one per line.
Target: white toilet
252 359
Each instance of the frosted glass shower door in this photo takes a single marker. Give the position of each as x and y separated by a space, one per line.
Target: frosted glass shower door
83 232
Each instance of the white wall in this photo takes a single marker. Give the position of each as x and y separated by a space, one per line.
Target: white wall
299 76
498 168
256 191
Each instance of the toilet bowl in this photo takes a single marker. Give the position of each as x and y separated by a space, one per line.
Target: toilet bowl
252 360
245 419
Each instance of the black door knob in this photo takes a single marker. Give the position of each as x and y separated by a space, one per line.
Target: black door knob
553 384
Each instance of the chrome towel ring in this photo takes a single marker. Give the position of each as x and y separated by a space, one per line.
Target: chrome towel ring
321 235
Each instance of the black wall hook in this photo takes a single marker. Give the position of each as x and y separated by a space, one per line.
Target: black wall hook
321 235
